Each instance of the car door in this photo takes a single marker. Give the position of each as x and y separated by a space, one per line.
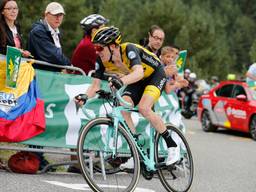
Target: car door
223 96
236 109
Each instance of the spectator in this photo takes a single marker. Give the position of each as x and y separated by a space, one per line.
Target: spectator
187 73
155 39
84 55
44 44
44 41
168 57
9 29
251 74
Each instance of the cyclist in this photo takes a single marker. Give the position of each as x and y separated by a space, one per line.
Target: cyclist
143 74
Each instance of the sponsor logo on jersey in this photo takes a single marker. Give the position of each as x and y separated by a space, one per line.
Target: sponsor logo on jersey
162 82
150 60
131 55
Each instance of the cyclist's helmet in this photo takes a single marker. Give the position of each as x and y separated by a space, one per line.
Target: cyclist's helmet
93 21
107 35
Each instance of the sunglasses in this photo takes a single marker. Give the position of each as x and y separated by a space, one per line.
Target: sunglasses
98 48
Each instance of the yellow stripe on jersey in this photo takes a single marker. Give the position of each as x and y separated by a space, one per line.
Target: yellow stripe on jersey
153 91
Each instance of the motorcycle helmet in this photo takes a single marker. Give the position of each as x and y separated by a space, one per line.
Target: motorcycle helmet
93 21
192 76
107 35
187 71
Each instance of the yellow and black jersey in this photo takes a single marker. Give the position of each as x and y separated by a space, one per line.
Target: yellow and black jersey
132 54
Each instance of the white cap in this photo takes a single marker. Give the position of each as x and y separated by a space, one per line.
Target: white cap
54 8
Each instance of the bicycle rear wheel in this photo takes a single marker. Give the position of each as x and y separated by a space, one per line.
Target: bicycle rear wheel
179 176
99 166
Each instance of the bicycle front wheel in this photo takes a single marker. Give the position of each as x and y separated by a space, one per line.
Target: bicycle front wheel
179 176
99 164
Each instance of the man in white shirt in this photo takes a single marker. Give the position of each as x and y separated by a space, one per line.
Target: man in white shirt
251 74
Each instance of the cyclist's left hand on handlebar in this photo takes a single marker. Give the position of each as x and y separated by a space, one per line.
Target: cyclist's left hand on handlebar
81 99
116 82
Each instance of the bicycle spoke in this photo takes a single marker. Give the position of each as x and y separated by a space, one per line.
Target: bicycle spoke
106 175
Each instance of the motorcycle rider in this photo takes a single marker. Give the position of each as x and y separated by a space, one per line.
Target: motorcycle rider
192 86
189 91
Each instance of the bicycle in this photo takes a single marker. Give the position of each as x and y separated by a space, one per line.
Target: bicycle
120 144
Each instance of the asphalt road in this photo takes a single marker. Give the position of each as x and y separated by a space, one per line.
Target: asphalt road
224 161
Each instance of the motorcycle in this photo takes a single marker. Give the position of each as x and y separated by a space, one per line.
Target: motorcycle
190 97
189 111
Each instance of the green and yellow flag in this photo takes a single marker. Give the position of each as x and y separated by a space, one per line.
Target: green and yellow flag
13 58
181 61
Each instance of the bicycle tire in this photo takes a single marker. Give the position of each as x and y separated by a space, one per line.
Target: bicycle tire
91 141
179 176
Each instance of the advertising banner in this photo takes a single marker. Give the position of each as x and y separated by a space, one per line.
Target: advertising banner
64 122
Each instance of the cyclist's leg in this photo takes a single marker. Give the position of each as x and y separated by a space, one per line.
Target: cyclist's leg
145 108
132 94
151 94
127 115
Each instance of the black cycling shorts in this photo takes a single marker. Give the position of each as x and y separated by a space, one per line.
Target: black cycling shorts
152 85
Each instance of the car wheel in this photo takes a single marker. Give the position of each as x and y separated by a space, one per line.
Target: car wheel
207 123
252 127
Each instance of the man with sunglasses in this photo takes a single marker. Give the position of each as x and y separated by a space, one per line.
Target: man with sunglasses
143 74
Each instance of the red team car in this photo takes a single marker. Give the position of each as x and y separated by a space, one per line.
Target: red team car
232 105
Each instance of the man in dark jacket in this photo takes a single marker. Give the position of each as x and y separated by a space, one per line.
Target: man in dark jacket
44 38
44 44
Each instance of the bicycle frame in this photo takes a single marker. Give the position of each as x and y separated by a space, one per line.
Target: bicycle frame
118 119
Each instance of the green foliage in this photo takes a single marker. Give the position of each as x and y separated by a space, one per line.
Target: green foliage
220 35
253 51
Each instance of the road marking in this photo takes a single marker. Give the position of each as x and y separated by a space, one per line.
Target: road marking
191 132
85 187
239 139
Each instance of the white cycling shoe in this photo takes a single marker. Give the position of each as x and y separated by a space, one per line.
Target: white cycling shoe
128 164
173 155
